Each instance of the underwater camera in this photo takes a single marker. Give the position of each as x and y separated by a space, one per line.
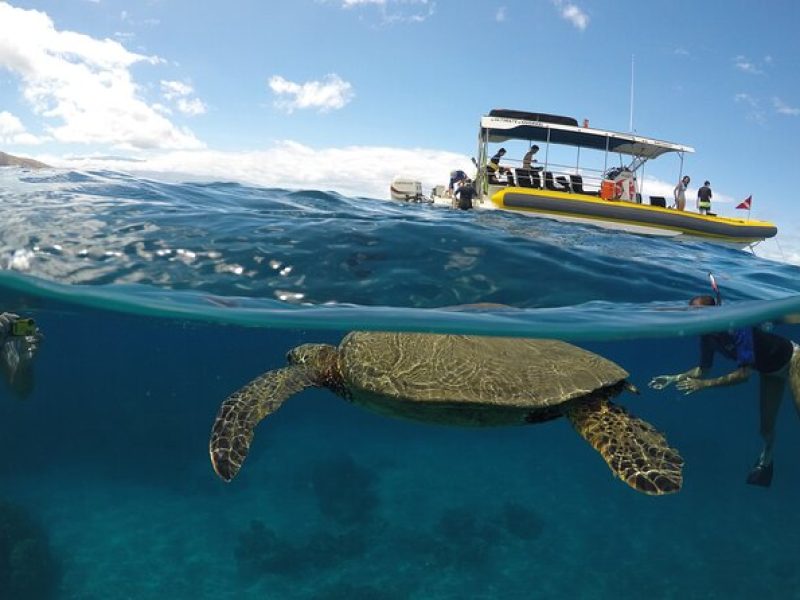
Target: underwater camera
23 327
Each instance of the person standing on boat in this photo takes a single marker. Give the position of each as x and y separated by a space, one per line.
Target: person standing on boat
704 199
679 193
777 361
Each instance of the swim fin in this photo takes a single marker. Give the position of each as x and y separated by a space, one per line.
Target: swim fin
760 474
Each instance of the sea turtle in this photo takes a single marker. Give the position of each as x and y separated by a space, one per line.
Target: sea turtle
461 380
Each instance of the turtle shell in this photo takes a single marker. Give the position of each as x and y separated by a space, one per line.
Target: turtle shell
472 370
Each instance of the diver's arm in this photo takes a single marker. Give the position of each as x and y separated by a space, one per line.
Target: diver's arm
691 373
691 384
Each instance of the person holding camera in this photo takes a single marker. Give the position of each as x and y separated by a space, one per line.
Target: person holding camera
19 343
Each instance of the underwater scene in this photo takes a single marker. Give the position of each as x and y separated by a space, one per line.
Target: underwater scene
156 301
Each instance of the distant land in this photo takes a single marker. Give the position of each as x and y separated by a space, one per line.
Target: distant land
8 160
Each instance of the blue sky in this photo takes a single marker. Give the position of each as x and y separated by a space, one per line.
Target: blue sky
345 94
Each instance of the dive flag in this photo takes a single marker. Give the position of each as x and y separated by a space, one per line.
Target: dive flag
746 203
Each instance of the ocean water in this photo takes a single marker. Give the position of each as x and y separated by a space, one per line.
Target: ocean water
157 300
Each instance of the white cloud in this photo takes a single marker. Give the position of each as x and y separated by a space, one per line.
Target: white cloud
354 171
332 93
12 131
572 13
175 89
393 11
754 113
191 106
746 98
500 15
179 92
783 248
81 86
746 66
784 109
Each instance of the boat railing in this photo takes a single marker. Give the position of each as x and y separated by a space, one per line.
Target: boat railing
566 178
551 176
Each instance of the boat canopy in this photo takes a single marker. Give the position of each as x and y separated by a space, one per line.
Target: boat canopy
502 125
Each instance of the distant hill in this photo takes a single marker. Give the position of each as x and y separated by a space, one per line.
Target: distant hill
7 160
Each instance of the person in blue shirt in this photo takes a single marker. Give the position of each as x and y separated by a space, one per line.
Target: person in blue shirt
456 177
775 358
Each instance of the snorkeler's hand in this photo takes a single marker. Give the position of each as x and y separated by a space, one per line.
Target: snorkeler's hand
16 349
690 384
662 381
6 322
16 356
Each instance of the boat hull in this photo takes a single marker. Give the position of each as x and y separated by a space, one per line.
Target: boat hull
630 216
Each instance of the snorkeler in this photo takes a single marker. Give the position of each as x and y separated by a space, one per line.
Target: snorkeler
19 342
464 195
776 359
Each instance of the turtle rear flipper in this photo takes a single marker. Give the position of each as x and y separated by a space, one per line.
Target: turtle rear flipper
634 450
238 416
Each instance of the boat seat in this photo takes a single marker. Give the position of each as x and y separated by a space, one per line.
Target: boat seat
658 201
577 186
560 184
503 176
528 178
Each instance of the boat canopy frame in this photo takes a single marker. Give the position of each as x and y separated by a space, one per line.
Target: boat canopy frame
501 125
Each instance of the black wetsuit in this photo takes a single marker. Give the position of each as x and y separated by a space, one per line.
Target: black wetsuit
464 195
704 198
749 347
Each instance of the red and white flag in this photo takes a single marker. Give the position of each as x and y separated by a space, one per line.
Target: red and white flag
746 203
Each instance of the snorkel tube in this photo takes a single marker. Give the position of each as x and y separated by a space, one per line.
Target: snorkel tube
715 287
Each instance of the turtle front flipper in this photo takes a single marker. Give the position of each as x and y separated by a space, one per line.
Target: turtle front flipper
634 450
238 416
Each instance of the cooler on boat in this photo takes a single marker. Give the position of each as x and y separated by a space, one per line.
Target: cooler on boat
620 186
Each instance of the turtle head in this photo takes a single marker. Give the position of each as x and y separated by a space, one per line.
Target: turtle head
320 360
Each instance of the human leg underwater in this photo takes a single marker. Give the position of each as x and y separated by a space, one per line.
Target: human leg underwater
771 393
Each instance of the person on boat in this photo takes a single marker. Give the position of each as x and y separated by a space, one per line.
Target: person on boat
777 361
679 193
528 173
704 199
455 177
528 159
19 342
464 195
493 169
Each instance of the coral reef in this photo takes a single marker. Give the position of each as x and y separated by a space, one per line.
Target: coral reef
347 591
28 568
521 521
261 551
464 538
345 490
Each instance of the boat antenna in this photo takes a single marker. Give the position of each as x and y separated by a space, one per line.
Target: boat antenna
630 123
